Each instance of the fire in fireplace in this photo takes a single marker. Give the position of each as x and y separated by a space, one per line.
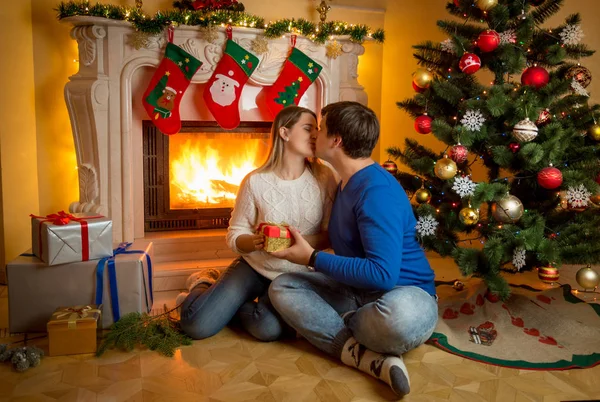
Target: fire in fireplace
191 179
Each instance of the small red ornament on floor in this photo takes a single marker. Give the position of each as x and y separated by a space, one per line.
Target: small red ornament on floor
423 124
536 77
550 178
488 41
469 63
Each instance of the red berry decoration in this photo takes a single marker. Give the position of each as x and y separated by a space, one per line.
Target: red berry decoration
488 40
458 153
469 63
417 88
549 178
514 147
390 166
536 77
543 118
423 124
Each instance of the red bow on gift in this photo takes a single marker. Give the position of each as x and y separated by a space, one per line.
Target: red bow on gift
60 218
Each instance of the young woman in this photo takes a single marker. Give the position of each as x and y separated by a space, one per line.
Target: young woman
292 188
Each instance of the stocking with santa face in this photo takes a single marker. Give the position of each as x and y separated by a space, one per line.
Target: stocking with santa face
223 90
167 86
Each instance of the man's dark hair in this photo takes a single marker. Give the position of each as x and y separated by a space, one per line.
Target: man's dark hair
356 124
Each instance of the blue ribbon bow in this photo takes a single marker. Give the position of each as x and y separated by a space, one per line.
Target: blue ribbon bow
112 278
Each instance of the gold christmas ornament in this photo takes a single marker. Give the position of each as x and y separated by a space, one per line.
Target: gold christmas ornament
139 40
594 132
139 4
209 33
508 210
525 130
587 278
260 45
445 168
486 5
333 49
595 199
422 195
422 77
468 216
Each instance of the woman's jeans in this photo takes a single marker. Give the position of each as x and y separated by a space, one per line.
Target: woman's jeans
206 311
390 322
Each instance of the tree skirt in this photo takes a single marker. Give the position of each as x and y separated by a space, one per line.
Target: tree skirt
549 330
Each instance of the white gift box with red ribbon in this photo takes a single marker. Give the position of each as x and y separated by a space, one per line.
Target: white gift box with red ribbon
63 238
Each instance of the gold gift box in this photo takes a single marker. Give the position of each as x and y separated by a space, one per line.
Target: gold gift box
73 330
277 237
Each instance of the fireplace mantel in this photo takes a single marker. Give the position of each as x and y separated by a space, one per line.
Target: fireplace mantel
99 100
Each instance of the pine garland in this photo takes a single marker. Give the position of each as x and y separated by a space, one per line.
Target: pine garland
161 333
204 18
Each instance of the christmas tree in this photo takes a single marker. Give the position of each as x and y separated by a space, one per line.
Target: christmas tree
532 130
287 98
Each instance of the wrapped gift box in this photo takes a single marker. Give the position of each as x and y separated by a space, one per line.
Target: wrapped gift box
72 330
62 238
277 237
36 290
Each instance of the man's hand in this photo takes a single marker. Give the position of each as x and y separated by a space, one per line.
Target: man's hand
299 252
248 243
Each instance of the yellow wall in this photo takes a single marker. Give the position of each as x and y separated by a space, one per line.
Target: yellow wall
18 150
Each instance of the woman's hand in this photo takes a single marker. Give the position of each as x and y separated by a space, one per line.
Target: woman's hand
247 243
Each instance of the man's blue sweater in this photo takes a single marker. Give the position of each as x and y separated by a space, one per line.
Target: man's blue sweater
372 231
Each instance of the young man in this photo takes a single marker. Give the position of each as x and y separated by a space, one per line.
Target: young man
374 299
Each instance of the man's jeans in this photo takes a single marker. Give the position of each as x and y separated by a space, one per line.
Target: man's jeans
390 322
207 311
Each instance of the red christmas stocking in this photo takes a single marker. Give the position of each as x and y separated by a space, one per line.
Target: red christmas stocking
223 90
299 71
169 82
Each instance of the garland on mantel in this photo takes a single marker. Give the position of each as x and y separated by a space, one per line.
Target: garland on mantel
318 33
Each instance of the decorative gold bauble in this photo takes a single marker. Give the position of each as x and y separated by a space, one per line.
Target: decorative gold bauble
422 77
260 45
508 210
486 5
595 199
587 278
333 49
445 168
594 132
422 195
468 216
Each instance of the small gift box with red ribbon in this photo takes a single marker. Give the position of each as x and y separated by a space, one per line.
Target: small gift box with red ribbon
62 238
277 237
73 330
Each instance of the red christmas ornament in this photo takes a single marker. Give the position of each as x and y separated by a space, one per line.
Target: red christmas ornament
469 63
390 166
598 178
488 40
514 147
456 3
423 124
536 77
458 153
417 88
543 118
549 178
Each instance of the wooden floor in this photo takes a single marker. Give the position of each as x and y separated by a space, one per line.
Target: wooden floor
233 367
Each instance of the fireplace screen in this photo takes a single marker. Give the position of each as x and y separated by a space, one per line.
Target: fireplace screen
192 178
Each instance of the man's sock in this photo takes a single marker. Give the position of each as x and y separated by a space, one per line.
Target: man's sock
389 369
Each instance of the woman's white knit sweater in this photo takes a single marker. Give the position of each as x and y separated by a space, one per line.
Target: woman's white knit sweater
264 197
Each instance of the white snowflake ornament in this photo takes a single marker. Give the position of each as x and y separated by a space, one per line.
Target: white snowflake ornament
473 120
448 46
464 186
519 258
508 36
426 225
578 197
578 88
571 35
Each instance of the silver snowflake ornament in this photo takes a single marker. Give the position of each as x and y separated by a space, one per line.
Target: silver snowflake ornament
473 120
579 196
578 88
426 225
571 35
464 186
519 258
508 36
448 46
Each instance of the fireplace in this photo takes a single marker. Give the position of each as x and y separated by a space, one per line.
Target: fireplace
191 179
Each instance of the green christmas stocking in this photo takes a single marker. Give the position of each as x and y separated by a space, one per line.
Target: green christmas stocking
299 72
163 96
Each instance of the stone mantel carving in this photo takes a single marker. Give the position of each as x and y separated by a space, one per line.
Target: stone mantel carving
99 100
